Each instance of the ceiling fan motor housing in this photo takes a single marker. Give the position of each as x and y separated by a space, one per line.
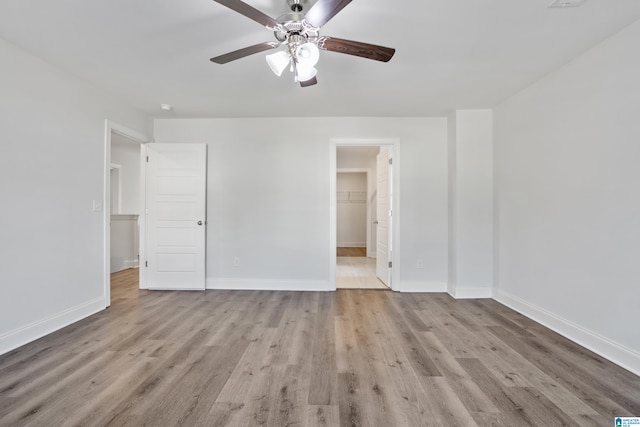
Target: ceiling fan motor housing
294 24
296 5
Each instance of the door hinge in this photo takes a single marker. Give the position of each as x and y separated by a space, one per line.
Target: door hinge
390 161
146 264
390 264
147 159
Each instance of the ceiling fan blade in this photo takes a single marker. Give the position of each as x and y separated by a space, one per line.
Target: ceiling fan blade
250 12
309 82
323 11
241 53
350 47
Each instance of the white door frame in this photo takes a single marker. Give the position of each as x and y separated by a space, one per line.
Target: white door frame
394 143
110 127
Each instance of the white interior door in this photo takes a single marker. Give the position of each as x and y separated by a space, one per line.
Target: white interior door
383 213
175 216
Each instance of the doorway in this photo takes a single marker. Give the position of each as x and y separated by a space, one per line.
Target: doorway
355 219
356 243
125 203
121 202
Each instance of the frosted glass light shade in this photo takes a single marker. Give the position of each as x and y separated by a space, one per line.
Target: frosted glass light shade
308 54
305 72
278 62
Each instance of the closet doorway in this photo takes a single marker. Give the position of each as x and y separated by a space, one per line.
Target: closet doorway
357 218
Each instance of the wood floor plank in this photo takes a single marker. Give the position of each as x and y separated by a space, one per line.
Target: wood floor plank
258 403
419 359
469 393
539 407
252 362
289 397
584 386
223 414
323 379
322 416
444 404
351 402
495 391
345 358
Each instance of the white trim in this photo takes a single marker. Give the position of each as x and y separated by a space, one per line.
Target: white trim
394 143
31 332
427 287
616 353
142 219
130 263
127 132
451 289
470 293
269 284
333 214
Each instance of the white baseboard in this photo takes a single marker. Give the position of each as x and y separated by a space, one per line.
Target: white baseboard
352 244
268 284
408 286
122 264
31 332
131 263
617 353
470 293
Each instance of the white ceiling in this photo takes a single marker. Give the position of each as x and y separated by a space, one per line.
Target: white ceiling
449 53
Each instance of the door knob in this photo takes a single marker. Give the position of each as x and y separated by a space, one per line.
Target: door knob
199 222
375 222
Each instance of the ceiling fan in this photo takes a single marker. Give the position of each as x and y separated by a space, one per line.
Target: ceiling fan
298 34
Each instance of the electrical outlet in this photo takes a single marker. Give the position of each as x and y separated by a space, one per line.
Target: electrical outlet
236 262
97 205
419 264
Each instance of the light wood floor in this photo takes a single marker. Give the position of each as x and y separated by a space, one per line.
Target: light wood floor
355 252
357 273
349 358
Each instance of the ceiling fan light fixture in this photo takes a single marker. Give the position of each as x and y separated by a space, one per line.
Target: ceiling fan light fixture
305 72
298 32
278 62
308 54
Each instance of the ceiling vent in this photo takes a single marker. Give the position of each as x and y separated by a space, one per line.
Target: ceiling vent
566 3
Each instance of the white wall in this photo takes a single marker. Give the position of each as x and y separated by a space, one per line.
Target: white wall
124 242
51 169
567 201
470 204
269 194
451 225
351 215
126 153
